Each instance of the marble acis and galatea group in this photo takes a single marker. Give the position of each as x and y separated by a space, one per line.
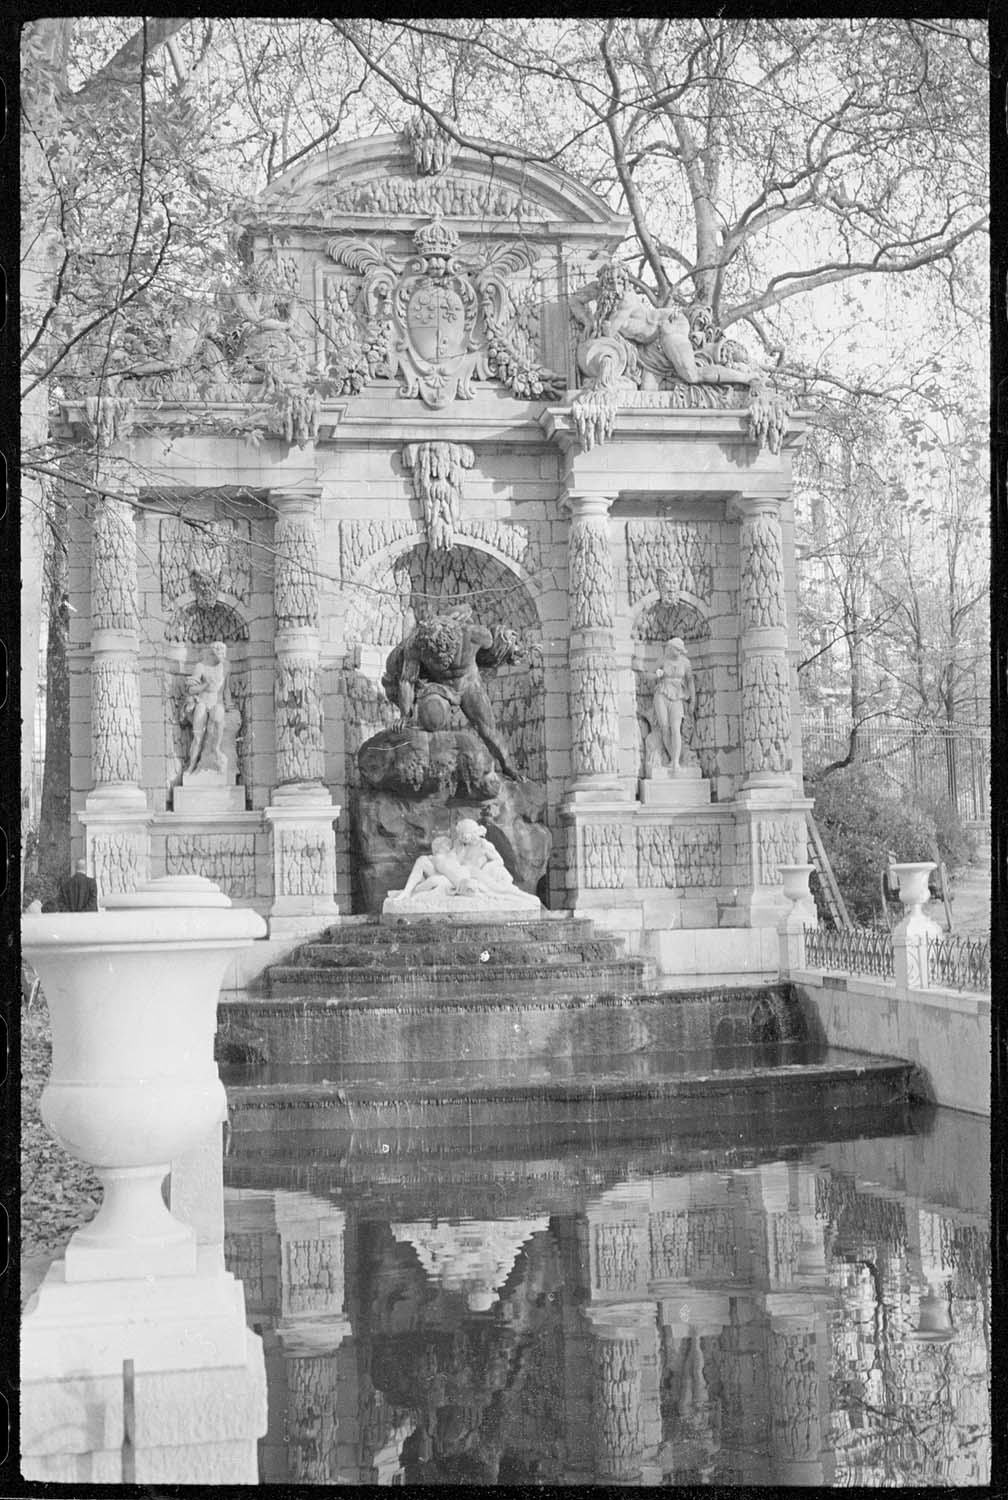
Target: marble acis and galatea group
439 415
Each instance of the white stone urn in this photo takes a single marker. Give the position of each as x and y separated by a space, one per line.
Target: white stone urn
796 882
132 994
913 893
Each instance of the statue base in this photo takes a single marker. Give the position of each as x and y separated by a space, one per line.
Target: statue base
206 791
683 788
482 908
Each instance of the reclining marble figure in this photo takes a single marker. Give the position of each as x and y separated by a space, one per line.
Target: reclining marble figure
465 869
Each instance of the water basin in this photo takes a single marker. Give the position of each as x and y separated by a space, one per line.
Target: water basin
620 1300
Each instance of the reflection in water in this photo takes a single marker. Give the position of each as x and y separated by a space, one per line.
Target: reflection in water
796 1322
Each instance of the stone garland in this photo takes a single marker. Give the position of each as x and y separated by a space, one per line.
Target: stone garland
226 858
679 856
296 583
602 855
297 702
218 549
762 602
306 865
437 473
704 739
618 1434
453 196
766 714
113 566
362 540
595 727
518 698
115 721
779 841
682 550
592 583
118 860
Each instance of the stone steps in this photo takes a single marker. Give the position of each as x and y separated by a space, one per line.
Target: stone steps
732 1105
508 1030
406 982
422 1031
550 928
462 955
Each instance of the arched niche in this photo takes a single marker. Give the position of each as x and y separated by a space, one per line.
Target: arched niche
658 620
402 588
193 627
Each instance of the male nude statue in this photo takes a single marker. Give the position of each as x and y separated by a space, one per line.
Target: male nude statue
206 704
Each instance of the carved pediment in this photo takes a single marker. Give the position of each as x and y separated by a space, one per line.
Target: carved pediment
421 173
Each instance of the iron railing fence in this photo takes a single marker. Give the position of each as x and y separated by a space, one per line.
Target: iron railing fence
943 762
957 961
854 950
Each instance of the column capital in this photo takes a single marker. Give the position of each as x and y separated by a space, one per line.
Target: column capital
585 503
743 507
295 499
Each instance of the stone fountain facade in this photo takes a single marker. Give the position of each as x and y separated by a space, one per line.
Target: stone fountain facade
432 389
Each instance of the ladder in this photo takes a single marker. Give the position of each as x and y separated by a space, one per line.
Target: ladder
827 880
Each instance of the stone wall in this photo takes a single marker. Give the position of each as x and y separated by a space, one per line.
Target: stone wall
945 1032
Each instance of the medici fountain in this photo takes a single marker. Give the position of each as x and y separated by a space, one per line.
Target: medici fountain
436 604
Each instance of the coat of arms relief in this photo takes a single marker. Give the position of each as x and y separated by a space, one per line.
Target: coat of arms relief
437 319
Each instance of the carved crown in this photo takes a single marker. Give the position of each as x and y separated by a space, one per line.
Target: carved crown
436 238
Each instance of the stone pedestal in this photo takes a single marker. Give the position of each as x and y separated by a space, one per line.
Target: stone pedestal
304 859
205 792
674 789
117 842
507 907
200 1385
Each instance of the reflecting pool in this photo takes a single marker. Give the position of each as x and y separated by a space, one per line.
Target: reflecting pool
602 1312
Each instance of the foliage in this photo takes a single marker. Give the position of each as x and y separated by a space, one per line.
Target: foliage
860 824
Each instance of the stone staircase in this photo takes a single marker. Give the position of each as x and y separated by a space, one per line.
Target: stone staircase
499 1032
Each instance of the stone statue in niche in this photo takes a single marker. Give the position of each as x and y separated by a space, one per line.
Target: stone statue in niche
671 776
675 692
206 704
437 669
464 873
207 782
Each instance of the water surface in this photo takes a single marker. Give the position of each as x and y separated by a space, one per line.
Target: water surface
599 1312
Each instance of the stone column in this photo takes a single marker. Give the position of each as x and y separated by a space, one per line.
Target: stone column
302 813
769 811
595 728
601 849
764 670
115 817
626 1402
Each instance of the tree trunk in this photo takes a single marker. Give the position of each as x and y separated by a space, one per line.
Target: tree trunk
54 817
